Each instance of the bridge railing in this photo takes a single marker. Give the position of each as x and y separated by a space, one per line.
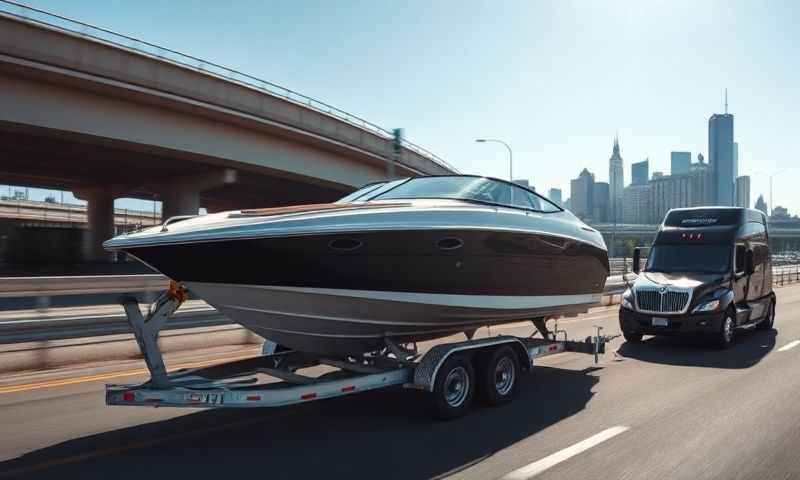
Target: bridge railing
142 47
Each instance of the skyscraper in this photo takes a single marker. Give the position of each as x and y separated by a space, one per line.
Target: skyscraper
555 195
680 162
582 194
743 191
600 203
761 204
636 204
700 183
616 183
666 192
640 172
721 158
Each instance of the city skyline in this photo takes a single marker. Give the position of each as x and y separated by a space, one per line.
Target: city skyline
555 94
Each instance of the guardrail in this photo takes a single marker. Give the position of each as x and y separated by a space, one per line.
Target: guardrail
142 47
17 287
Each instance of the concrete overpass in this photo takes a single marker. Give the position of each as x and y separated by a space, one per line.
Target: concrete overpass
105 116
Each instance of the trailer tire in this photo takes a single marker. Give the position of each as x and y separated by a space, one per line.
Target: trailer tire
498 374
454 387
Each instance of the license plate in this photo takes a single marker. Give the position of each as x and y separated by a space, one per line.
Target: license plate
660 322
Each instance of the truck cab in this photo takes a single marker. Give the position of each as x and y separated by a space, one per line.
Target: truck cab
708 272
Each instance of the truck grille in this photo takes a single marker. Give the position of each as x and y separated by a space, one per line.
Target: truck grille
656 301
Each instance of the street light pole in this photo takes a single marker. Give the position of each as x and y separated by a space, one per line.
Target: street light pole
510 154
771 176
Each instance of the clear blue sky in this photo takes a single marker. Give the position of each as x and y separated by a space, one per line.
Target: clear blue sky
554 79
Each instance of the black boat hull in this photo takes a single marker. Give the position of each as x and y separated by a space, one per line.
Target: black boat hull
343 293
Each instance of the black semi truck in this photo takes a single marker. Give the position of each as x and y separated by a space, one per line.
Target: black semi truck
708 272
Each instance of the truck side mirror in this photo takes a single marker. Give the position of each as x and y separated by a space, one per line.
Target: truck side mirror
637 258
749 263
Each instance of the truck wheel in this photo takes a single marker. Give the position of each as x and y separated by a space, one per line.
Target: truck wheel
454 387
633 337
726 331
499 371
769 321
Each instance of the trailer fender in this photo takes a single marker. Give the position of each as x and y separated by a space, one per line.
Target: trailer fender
431 362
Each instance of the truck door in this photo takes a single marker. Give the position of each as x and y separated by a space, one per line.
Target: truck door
740 279
758 281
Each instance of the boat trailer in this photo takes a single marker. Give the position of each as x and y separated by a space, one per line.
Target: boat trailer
449 371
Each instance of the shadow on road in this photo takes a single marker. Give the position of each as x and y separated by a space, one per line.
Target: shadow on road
749 348
387 434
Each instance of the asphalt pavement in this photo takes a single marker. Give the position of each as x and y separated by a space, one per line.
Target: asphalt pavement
664 408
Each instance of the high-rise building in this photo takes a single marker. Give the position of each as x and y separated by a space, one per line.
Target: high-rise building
680 162
640 172
700 183
735 159
721 158
582 194
555 195
616 183
657 175
523 183
600 203
743 191
636 204
667 192
761 204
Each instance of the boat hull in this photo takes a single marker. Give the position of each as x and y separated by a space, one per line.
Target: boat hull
341 322
342 293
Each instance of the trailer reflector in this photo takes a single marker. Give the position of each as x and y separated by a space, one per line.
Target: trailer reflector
350 388
308 396
128 397
253 398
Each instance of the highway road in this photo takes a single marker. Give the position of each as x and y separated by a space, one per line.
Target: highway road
665 408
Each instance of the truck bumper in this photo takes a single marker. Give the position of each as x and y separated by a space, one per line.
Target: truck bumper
697 324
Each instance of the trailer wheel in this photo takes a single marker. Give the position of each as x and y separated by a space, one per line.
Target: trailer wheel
454 387
499 371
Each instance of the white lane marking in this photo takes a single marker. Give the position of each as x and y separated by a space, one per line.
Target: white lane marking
535 468
789 345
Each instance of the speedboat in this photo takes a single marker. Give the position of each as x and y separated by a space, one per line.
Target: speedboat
406 260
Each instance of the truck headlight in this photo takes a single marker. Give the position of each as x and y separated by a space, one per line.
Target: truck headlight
627 300
709 306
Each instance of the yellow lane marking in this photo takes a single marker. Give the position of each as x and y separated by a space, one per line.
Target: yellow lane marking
107 376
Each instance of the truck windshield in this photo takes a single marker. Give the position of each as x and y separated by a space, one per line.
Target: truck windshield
689 258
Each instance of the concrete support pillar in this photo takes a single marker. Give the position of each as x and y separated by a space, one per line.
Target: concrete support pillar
181 195
100 215
179 200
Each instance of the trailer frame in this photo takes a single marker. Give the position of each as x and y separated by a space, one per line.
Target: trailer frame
238 384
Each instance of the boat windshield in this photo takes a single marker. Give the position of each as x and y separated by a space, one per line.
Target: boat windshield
369 191
360 192
686 258
481 189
